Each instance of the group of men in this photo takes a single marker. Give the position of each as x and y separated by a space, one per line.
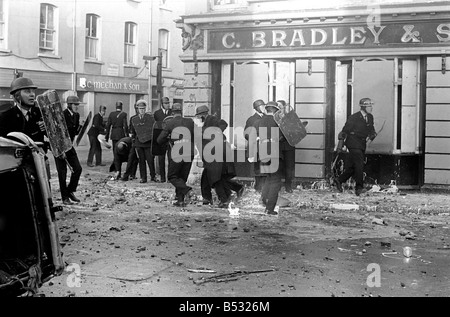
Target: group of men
133 144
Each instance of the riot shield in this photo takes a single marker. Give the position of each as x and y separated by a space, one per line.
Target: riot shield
54 122
290 124
83 128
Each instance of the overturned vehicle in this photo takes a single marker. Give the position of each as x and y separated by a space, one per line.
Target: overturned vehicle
30 253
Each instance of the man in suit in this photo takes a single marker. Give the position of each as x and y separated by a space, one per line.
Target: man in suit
98 127
141 132
116 128
160 115
70 157
218 168
179 132
357 131
250 134
133 161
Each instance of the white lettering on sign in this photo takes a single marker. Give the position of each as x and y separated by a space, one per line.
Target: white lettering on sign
352 36
441 30
108 85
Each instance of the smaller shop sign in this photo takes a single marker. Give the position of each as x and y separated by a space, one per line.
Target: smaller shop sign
111 84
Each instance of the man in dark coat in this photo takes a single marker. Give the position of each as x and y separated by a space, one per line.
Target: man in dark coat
24 116
288 163
160 115
116 128
270 139
141 132
70 157
357 131
98 127
133 161
179 132
123 150
250 134
218 168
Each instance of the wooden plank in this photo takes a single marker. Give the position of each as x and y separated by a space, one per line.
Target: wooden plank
316 95
317 65
312 110
309 156
309 171
435 63
438 112
312 141
437 145
438 95
437 161
437 79
437 177
437 128
303 80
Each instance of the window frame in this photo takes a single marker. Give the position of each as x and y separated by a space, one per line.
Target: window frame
130 58
3 25
163 47
89 38
53 50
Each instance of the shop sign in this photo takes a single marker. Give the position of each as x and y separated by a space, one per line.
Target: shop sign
414 34
112 84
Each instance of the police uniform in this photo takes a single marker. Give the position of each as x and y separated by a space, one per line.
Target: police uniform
271 158
95 149
68 190
160 115
217 174
179 132
116 128
357 130
250 134
141 131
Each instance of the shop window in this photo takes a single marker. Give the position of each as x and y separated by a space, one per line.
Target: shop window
393 85
130 43
163 47
92 37
2 25
47 32
227 4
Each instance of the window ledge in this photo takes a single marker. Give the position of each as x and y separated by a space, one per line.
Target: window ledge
130 66
49 56
93 61
4 50
165 8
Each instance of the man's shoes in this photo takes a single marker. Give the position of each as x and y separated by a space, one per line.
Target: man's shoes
271 212
90 165
101 164
179 203
163 180
240 192
153 179
223 205
338 185
143 181
124 178
73 197
131 177
359 191
188 197
207 202
66 201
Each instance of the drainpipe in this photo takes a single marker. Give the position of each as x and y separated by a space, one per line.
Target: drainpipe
74 53
150 54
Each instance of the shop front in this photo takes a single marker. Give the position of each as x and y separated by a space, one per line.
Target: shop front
322 67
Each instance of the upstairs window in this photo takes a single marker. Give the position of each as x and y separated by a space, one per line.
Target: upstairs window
2 25
227 4
92 49
130 43
163 47
47 32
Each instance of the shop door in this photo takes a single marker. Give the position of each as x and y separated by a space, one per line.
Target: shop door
375 79
245 82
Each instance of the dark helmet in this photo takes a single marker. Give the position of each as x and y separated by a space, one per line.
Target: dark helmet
258 103
73 100
119 104
365 102
21 83
273 104
122 148
201 109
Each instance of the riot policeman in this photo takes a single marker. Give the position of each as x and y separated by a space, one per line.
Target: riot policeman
179 132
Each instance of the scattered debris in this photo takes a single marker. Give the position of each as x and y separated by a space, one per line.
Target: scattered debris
227 277
201 271
345 206
385 244
378 221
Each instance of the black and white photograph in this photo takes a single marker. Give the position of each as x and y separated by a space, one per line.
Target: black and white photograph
224 155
